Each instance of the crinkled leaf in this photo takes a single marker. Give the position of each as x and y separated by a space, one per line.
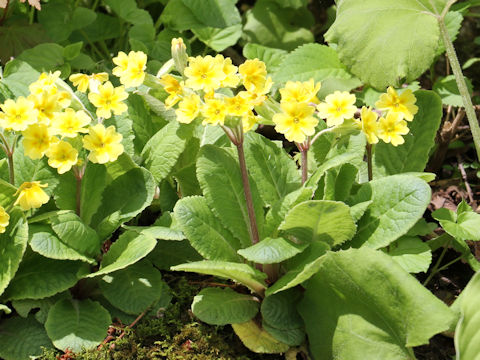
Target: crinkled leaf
214 13
271 251
270 56
218 39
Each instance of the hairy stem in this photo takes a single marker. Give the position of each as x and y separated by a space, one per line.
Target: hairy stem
11 170
369 162
462 86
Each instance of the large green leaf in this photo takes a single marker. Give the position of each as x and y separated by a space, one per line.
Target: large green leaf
128 10
170 253
401 27
39 277
270 56
102 28
271 251
318 62
13 244
134 288
20 339
214 13
129 248
77 325
258 339
219 175
447 89
463 225
275 173
7 192
18 75
320 220
466 332
219 39
398 201
414 153
241 273
411 253
44 57
14 39
204 230
41 306
369 309
218 306
162 151
158 232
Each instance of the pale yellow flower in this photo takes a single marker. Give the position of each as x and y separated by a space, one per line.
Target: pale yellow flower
62 156
121 60
214 111
305 92
257 95
17 115
104 144
248 121
403 104
232 79
391 129
296 121
45 82
337 107
46 104
238 105
4 219
368 124
173 87
134 74
204 73
108 100
31 195
80 81
253 73
69 123
188 109
36 140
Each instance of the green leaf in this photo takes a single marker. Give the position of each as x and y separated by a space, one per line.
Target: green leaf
71 51
360 39
44 57
171 19
217 306
270 25
398 201
219 176
170 253
143 125
453 23
20 339
339 182
320 220
16 38
14 242
270 56
127 10
129 248
257 339
18 75
163 150
300 268
447 88
42 306
215 13
103 28
292 3
275 173
414 153
134 288
77 325
5 309
204 231
241 273
39 277
462 226
218 39
281 318
158 232
372 308
466 332
412 254
7 192
271 251
318 62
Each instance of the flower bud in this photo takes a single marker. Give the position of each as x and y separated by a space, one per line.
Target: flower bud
179 54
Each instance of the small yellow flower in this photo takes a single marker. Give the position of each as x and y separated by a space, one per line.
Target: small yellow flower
232 79
80 81
36 140
214 112
104 144
368 124
337 107
403 104
31 195
391 129
108 100
188 109
173 87
248 121
257 95
62 156
46 104
204 73
64 99
238 105
300 91
69 123
296 122
134 75
17 115
121 60
45 82
253 73
4 219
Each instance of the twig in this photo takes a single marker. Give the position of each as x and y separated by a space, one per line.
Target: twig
464 177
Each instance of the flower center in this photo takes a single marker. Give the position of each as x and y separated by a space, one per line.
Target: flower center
296 120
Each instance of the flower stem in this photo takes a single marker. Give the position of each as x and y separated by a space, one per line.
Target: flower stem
9 153
78 172
437 264
369 162
462 86
303 148
11 170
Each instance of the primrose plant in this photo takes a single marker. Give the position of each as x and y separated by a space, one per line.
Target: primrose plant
297 243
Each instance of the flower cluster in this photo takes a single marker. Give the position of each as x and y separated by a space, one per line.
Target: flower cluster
4 219
398 109
199 94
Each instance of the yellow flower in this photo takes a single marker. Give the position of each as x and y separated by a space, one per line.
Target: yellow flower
104 144
231 76
64 99
45 82
4 220
188 109
36 140
173 87
62 156
403 104
80 81
337 107
368 124
46 104
17 115
134 74
238 105
253 73
214 112
248 121
108 100
69 123
204 73
296 122
31 195
300 91
121 60
391 129
256 96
